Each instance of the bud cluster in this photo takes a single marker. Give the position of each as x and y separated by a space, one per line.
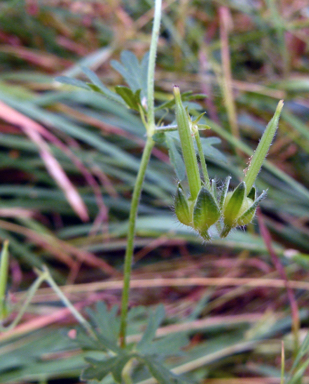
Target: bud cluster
206 205
227 211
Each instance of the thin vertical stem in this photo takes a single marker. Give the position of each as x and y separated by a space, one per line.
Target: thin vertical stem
130 240
151 67
141 173
227 75
202 159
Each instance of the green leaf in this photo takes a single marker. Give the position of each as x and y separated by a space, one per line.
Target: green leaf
134 72
210 152
98 368
87 343
161 373
72 81
97 86
154 322
106 321
175 157
131 99
167 346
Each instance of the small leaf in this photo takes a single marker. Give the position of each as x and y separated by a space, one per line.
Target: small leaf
167 346
106 321
210 152
97 86
175 158
130 98
98 368
154 322
161 373
195 121
134 73
87 343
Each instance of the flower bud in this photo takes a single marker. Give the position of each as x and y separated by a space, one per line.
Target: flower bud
182 207
205 213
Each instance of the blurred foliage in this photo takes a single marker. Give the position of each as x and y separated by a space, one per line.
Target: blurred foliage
245 55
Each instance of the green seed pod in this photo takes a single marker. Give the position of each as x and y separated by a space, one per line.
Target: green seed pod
182 207
205 213
233 205
187 146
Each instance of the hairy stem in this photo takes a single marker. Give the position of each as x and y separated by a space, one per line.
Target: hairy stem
141 173
202 159
151 67
130 239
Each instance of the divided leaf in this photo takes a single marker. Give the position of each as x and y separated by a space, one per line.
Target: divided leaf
134 72
72 81
161 373
98 369
153 324
210 152
96 85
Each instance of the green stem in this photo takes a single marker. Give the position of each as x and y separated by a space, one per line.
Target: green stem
50 281
130 240
4 269
202 159
150 127
151 67
31 292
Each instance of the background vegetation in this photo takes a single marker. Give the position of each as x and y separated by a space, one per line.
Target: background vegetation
69 160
